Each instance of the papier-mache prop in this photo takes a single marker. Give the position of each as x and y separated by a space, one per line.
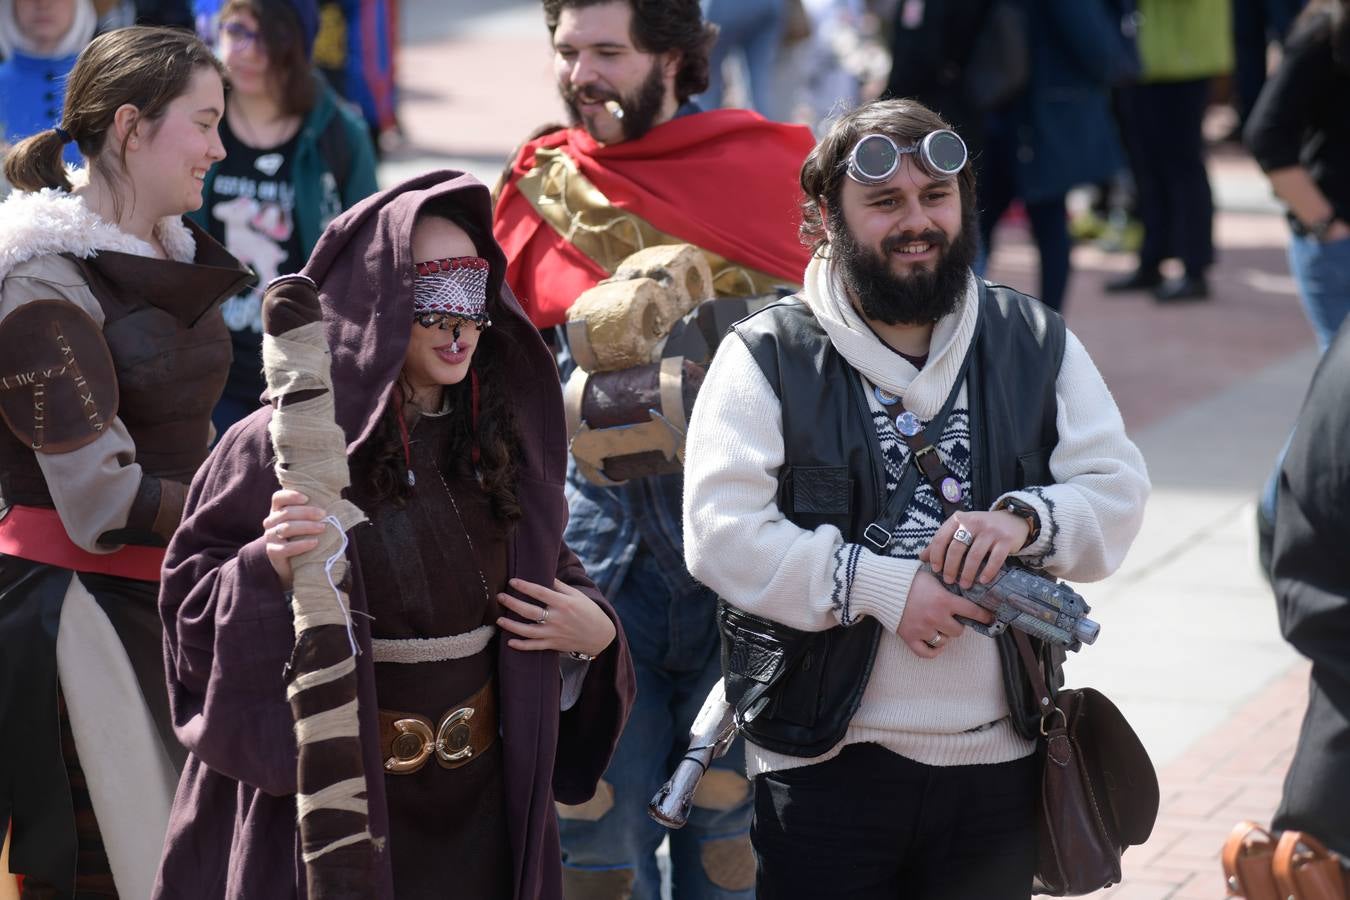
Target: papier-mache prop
642 341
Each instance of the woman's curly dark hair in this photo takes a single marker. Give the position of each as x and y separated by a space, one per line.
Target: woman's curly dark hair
379 464
660 26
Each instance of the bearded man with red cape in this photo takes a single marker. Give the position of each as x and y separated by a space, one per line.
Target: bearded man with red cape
643 165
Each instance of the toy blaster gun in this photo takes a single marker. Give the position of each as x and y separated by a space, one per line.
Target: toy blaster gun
710 736
1042 607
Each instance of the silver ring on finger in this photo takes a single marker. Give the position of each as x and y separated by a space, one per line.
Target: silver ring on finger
275 532
963 536
542 620
935 641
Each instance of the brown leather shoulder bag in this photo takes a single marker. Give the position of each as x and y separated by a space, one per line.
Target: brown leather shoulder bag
1306 870
1258 865
1099 791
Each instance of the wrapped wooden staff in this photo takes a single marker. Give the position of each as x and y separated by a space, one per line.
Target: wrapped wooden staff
311 457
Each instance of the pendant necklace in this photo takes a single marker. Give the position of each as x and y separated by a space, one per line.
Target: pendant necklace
407 442
487 597
412 480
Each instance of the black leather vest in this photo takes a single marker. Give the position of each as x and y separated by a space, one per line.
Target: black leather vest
833 474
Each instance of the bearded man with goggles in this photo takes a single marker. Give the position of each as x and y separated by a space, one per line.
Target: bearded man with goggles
898 428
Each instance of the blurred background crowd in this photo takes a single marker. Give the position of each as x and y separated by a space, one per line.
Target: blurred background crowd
1089 120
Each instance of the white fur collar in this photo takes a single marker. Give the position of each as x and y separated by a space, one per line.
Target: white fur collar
52 221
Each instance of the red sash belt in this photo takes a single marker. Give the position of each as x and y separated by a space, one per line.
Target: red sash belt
33 533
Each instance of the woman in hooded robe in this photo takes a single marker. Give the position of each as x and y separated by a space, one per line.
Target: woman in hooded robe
463 595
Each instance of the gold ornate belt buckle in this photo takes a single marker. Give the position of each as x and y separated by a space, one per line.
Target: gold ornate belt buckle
414 744
452 738
461 735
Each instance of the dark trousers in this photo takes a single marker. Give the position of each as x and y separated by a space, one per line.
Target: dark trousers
997 189
1167 153
1256 23
872 825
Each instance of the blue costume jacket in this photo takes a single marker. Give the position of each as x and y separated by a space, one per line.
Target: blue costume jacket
32 92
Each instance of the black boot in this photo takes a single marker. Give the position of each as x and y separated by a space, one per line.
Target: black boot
1141 279
1183 289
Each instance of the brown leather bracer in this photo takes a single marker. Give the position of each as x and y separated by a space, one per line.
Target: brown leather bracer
58 388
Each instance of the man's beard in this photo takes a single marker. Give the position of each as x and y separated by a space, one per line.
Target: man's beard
916 298
640 109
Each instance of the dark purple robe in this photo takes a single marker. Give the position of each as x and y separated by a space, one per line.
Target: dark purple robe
228 632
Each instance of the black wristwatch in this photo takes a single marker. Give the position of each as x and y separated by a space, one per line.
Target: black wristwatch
1023 510
1318 230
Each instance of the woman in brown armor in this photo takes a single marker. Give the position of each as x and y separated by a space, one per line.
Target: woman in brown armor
491 676
112 354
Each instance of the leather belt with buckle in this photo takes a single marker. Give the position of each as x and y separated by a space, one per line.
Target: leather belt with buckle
408 741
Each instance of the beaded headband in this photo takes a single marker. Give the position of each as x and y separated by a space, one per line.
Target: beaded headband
456 286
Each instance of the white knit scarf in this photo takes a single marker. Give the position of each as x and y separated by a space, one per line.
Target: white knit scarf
923 392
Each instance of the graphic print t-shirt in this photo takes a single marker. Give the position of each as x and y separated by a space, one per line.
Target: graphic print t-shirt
251 211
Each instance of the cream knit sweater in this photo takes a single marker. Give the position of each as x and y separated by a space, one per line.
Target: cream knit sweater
950 710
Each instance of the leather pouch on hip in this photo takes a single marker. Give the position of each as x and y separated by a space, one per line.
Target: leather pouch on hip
794 691
758 655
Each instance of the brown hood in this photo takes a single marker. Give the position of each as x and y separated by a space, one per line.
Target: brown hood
363 266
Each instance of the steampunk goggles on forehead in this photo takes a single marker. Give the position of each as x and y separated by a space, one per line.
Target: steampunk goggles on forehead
876 157
447 292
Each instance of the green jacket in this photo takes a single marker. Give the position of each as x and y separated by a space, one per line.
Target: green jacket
333 137
1182 40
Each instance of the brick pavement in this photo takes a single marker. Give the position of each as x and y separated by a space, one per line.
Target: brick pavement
1233 773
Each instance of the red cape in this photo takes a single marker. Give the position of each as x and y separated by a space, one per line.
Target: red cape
725 181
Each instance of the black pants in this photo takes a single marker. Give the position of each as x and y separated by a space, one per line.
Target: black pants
1255 24
998 188
1162 129
872 825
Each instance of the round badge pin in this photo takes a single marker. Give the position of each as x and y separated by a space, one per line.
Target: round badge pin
908 424
885 397
951 490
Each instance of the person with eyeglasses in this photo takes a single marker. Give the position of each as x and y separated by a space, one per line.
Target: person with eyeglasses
898 429
296 156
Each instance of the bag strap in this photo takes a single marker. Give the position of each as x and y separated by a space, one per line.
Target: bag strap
880 533
1045 696
1246 838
